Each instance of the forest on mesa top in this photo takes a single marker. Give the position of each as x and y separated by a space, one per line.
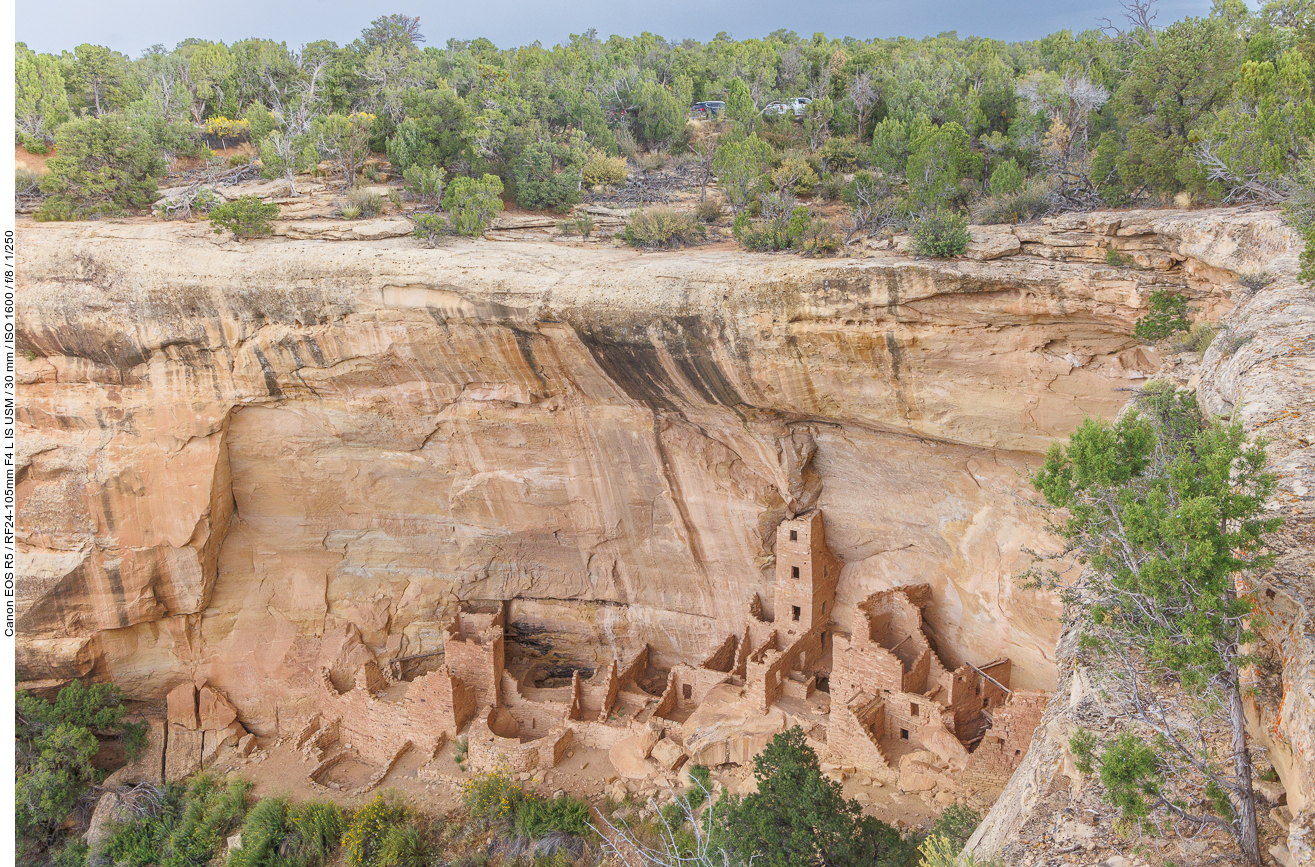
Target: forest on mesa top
1220 107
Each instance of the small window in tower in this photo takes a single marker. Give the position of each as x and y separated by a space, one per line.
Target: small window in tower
904 734
1018 752
794 612
688 691
794 571
794 535
913 709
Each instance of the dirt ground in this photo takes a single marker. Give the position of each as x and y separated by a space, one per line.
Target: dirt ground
36 162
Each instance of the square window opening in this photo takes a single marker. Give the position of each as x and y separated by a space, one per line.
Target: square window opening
913 709
904 734
794 571
794 535
794 612
688 691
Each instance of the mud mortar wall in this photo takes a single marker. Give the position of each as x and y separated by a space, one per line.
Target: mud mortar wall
250 462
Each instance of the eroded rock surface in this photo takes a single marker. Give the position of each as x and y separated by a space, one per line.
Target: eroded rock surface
246 462
1261 369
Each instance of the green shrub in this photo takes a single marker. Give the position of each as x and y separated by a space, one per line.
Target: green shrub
604 171
797 816
317 832
403 846
582 225
263 833
187 828
536 817
940 160
841 154
238 160
662 228
794 175
104 165
54 746
492 795
1006 177
349 211
211 815
547 175
1032 201
472 204
782 229
429 228
957 824
245 217
425 182
371 829
1167 315
1116 259
1199 337
1254 281
366 202
32 144
740 166
890 147
709 211
27 182
943 235
831 188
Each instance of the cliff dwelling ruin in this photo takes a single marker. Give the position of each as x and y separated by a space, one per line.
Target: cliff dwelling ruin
879 700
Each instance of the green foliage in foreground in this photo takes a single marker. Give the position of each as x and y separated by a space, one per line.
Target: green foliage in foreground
798 817
189 827
1165 509
54 747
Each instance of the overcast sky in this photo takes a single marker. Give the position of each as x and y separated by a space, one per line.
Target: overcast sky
134 25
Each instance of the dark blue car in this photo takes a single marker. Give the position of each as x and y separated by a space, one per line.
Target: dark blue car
711 108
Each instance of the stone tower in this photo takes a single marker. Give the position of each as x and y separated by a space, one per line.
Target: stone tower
806 574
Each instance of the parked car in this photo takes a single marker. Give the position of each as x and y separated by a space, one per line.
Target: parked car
710 108
796 104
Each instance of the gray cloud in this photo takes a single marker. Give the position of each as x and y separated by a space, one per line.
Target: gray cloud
54 25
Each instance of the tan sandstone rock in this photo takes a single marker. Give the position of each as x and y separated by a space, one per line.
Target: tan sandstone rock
181 705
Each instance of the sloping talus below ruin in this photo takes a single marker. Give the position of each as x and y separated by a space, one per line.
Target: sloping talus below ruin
246 463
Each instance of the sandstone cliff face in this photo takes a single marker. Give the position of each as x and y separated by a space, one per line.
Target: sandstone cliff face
246 462
1260 369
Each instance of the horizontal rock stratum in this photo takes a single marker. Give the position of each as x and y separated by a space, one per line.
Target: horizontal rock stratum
242 463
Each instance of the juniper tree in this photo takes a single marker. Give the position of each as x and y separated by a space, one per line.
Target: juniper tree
1166 512
799 818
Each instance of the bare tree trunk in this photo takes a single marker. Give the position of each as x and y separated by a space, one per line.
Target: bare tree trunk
1248 834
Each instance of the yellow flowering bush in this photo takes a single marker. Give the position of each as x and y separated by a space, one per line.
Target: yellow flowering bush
225 127
370 827
493 795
